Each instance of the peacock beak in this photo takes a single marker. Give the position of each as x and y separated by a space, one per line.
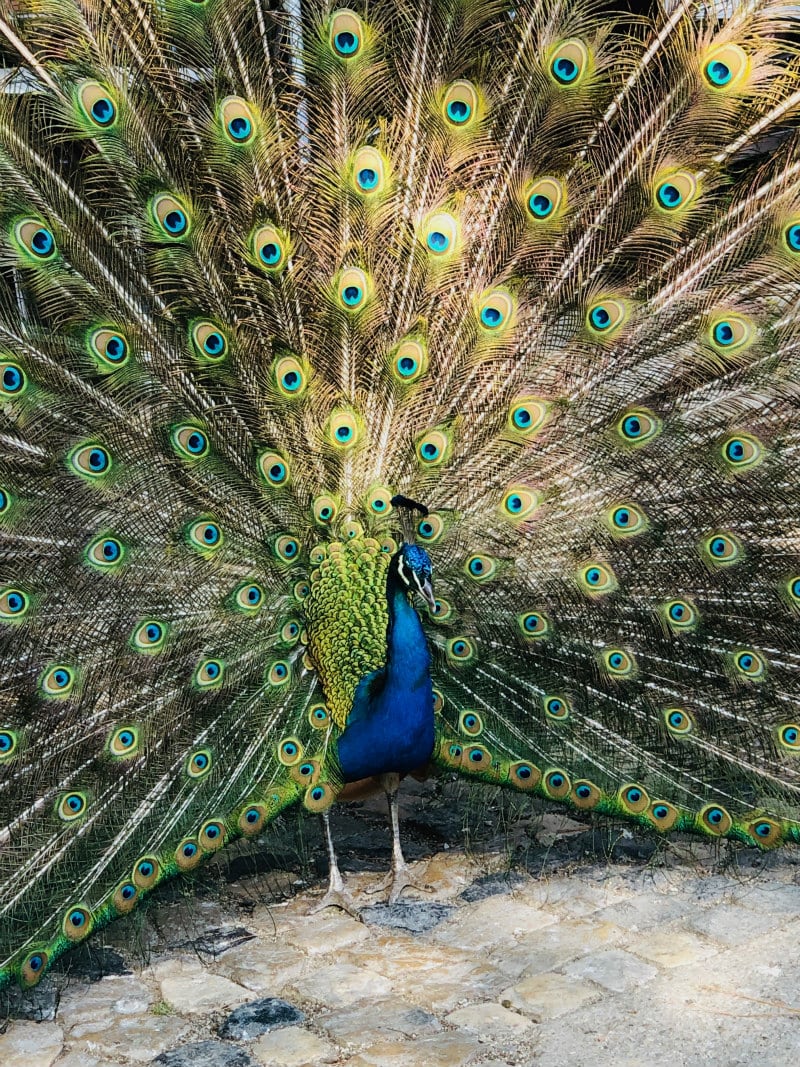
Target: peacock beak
426 589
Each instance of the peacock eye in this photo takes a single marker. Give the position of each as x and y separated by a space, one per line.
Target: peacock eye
71 806
678 721
324 510
170 216
556 707
58 681
290 751
97 104
715 819
742 451
460 649
124 741
481 568
722 549
77 923
430 528
278 674
460 104
12 379
237 120
150 636
105 553
343 429
605 317
346 34
495 310
409 362
791 236
368 171
470 723
680 615
519 502
749 664
352 289
319 716
36 240
8 744
544 199
274 469
204 535
14 603
209 673
675 191
725 67
248 597
730 333
526 416
596 579
209 342
199 763
534 624
638 426
287 548
109 348
569 62
618 663
90 460
433 447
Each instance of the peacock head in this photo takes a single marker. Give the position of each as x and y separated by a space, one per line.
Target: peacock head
412 565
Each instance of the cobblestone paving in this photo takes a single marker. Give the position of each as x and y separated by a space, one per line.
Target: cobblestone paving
597 964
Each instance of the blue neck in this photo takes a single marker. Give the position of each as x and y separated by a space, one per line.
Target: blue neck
408 661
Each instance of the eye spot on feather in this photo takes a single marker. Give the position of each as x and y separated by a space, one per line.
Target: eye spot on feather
57 681
634 799
33 968
290 751
146 872
556 707
344 430
481 568
209 342
545 199
470 723
526 416
524 776
618 663
556 784
597 579
170 216
287 548
460 650
150 636
725 68
368 172
97 104
124 742
767 833
433 448
626 520
8 744
721 550
742 451
714 820
568 63
35 240
535 625
253 820
518 503
638 426
237 120
731 333
319 716
14 604
495 310
430 529
125 897
680 616
77 923
13 380
269 248
678 721
274 469
662 815
346 34
249 597
278 674
460 105
6 500
791 237
71 806
205 536
211 836
109 348
105 553
749 664
585 795
352 289
290 377
675 191
209 674
789 737
409 362
199 763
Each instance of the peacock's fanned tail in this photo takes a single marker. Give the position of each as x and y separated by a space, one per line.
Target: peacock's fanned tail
263 266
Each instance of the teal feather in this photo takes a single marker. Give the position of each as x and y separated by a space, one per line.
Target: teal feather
261 270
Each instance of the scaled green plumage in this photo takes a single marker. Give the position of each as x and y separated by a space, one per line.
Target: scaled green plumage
261 269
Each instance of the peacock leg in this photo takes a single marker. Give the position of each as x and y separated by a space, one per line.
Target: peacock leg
337 896
400 877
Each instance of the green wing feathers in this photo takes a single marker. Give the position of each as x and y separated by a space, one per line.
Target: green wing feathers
260 270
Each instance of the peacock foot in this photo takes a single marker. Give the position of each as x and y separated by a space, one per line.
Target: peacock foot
399 879
338 898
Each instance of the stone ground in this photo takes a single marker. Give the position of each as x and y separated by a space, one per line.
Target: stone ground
542 940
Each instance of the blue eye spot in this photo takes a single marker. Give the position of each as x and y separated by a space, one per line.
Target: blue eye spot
522 418
6 743
555 781
718 73
593 576
514 503
407 366
240 128
723 333
584 792
253 595
459 648
476 567
660 811
200 761
715 816
13 379
718 546
290 749
565 70
175 222
36 963
600 318
669 195
317 793
280 670
61 678
351 295
110 550
42 242
616 660
633 796
189 850
196 442
291 381
632 426
677 612
116 349
491 317
429 450
212 831
128 891
125 738
146 869
98 459
252 816
458 111
15 602
676 719
77 919
103 111
540 205
735 450
367 178
214 343
793 237
345 43
438 241
75 803
270 253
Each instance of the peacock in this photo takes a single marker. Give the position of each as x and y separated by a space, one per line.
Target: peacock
387 388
